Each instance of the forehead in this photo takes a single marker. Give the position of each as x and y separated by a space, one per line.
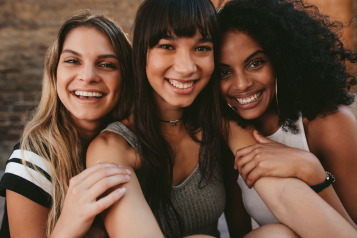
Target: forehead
88 39
238 44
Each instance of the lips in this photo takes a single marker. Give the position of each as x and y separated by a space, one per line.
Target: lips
88 95
246 100
250 99
181 86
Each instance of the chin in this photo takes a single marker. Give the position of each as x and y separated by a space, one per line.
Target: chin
249 115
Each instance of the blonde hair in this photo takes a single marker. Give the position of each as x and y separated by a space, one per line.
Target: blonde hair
51 133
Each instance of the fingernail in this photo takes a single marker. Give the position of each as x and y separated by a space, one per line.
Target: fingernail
119 166
127 177
128 171
99 162
121 190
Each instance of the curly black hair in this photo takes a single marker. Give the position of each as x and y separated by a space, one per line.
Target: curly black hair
305 49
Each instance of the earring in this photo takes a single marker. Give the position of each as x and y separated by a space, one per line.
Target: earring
276 94
231 107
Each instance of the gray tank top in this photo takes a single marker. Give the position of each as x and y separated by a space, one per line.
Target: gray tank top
198 207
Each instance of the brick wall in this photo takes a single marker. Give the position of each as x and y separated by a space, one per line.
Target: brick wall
27 27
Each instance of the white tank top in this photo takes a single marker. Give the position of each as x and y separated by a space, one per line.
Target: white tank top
254 205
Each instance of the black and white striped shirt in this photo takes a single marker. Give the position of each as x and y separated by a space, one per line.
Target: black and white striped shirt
28 181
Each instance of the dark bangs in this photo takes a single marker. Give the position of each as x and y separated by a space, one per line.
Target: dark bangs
180 17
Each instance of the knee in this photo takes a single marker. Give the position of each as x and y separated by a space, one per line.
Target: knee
273 230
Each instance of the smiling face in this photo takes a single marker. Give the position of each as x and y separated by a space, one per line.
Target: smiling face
88 76
178 68
247 76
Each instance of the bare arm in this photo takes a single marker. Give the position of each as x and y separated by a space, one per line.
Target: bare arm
294 204
333 140
293 207
238 220
26 217
131 216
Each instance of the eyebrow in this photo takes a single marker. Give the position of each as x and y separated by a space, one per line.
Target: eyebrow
168 37
100 57
223 65
254 54
205 39
202 40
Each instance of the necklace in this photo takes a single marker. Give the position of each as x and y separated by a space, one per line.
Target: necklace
172 122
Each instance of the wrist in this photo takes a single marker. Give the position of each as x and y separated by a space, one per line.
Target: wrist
313 174
62 230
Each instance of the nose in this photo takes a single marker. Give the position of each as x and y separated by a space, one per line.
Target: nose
242 82
88 74
185 63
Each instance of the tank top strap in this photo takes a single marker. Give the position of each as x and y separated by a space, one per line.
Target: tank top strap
129 136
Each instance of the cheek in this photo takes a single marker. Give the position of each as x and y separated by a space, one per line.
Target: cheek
223 88
208 66
115 85
61 84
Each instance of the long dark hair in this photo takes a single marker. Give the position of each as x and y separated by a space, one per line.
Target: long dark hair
154 20
304 46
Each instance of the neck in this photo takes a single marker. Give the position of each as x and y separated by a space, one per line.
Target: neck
167 112
267 123
88 129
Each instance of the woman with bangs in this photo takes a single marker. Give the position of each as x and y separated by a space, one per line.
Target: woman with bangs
86 85
171 141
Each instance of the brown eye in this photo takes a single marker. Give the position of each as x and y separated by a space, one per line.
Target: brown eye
256 64
71 61
224 73
107 65
203 48
166 47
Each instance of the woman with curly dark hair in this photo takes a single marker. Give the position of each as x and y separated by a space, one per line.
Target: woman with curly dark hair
283 69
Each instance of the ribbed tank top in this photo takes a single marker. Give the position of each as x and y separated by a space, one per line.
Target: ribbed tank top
254 205
199 206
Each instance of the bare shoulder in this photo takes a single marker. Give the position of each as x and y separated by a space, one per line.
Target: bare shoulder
110 147
331 130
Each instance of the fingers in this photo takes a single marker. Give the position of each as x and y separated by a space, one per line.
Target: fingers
241 153
101 173
253 176
260 138
84 174
248 168
243 160
105 202
104 184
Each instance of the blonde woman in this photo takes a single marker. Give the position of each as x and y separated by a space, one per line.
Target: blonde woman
86 85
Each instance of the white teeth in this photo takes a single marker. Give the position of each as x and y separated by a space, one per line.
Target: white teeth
180 85
251 99
88 94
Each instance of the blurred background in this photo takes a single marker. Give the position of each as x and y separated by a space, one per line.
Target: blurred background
27 27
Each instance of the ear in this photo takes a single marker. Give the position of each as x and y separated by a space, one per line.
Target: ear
260 138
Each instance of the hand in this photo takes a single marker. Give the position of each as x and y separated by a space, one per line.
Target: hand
272 159
81 204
